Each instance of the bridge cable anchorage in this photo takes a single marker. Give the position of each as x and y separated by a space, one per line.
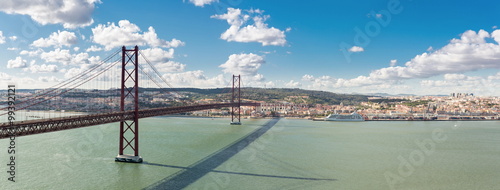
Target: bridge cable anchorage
236 101
129 128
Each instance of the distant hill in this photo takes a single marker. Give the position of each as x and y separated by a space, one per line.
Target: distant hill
294 95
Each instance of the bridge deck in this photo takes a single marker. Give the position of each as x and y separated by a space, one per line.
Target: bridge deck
22 128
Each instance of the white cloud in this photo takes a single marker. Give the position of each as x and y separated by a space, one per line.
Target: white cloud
57 56
69 13
201 3
293 84
259 31
2 38
31 53
128 34
12 49
454 77
41 68
393 62
13 38
483 86
93 48
494 77
356 49
194 79
308 78
469 53
244 64
430 48
84 67
64 57
160 59
5 77
57 39
471 37
16 63
170 66
48 79
158 54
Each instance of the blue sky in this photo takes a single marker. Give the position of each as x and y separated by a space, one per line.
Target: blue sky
384 46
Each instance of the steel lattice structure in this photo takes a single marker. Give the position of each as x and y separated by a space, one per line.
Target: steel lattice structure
236 99
31 127
129 113
130 73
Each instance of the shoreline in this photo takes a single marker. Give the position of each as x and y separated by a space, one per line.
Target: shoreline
320 119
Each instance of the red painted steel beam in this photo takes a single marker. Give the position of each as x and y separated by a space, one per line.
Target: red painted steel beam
23 128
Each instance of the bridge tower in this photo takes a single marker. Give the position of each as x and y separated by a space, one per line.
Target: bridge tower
236 98
129 127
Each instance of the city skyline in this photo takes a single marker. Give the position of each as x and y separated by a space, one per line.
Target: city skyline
390 46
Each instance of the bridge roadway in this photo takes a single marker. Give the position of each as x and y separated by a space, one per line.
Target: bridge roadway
30 127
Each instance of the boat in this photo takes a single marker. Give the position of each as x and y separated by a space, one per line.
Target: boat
345 117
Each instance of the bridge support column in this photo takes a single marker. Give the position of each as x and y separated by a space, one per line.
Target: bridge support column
236 100
129 127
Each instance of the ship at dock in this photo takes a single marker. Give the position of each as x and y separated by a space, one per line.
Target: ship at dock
345 117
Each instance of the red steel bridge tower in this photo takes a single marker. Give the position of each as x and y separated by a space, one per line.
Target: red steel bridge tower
129 129
236 100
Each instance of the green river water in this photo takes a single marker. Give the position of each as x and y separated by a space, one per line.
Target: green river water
293 154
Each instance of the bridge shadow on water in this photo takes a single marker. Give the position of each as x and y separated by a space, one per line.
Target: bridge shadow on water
199 169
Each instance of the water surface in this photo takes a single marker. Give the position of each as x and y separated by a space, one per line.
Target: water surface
293 154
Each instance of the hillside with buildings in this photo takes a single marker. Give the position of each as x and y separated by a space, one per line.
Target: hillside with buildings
288 103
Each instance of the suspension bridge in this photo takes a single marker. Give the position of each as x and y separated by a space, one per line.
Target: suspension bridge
126 111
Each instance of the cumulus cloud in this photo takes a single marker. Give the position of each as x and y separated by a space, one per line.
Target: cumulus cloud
66 58
13 38
194 79
2 38
85 66
160 59
34 68
494 77
57 39
483 86
16 63
158 54
93 48
293 84
69 13
57 56
125 33
170 66
201 3
258 31
5 77
308 78
356 49
393 62
32 53
469 53
244 64
48 79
